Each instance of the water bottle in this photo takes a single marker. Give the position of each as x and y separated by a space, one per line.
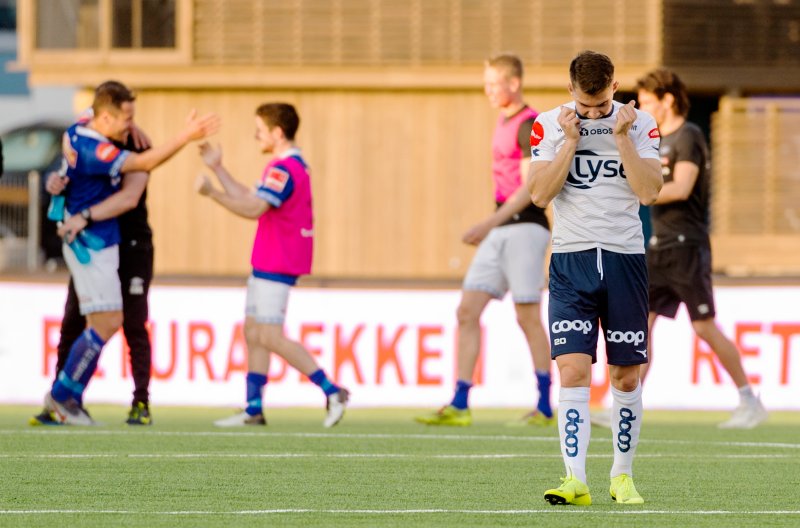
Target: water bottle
91 241
81 253
55 211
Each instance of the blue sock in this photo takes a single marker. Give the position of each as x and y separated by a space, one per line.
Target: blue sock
461 397
319 379
255 392
80 367
543 379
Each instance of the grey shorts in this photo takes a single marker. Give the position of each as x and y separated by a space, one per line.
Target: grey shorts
511 257
267 300
97 282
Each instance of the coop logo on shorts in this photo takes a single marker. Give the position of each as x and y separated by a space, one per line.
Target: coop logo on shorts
615 336
625 425
537 134
566 326
106 152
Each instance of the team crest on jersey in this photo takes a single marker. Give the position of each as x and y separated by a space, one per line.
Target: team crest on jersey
537 134
69 153
106 152
654 133
276 179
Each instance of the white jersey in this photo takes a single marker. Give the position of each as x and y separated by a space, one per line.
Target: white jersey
596 207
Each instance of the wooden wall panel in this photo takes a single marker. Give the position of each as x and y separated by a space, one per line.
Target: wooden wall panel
397 178
422 32
756 186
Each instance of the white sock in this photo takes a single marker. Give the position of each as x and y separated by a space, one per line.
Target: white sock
626 424
574 428
746 395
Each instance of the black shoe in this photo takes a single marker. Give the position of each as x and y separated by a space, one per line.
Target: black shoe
139 414
45 417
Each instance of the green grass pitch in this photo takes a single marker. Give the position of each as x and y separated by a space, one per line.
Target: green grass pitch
379 468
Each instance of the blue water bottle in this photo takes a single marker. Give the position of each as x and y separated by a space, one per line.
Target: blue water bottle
55 211
81 253
91 241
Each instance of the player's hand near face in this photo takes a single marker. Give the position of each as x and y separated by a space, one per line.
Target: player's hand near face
570 123
626 115
212 156
140 139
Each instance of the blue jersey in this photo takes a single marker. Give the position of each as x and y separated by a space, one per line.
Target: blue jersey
93 167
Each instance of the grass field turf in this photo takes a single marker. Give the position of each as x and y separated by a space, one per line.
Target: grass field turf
379 468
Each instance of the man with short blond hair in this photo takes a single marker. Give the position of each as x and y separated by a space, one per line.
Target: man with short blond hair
512 243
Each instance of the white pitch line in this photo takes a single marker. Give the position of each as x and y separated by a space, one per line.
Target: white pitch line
368 456
68 430
552 511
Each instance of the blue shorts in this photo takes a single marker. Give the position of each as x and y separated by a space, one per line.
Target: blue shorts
597 288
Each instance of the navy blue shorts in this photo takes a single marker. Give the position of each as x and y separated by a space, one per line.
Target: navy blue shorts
597 288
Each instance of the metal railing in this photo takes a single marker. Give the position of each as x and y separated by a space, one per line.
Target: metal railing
20 224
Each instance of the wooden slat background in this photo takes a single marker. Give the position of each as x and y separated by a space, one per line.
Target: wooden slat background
422 32
397 178
756 186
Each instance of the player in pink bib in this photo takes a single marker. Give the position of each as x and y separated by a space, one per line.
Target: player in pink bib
282 252
512 244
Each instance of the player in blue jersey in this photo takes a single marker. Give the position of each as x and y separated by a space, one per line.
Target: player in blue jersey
129 205
596 160
94 166
679 257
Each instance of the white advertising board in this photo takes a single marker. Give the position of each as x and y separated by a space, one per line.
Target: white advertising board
390 348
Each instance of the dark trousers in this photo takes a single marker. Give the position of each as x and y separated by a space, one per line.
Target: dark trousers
135 274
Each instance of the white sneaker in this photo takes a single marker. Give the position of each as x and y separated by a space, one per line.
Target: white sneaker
337 403
241 419
746 416
68 412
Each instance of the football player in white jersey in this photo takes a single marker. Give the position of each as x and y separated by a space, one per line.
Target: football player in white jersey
596 160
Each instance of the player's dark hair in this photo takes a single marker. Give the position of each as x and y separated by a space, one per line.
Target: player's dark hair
510 63
661 82
111 94
281 115
592 72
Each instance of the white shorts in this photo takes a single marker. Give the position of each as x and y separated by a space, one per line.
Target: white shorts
96 283
511 257
267 300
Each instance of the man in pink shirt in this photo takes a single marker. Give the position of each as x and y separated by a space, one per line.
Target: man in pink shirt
512 242
282 252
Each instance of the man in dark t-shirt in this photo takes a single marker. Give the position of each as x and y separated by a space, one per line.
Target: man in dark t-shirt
679 256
